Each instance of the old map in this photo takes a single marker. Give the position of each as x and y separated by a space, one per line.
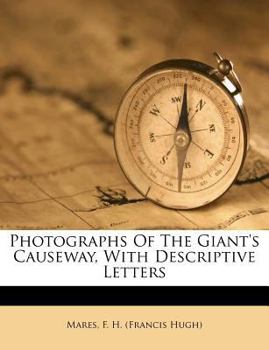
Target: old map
64 66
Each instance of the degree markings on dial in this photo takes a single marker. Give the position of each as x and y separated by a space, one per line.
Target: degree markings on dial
164 135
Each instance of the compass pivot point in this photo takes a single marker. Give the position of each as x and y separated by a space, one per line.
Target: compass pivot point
182 139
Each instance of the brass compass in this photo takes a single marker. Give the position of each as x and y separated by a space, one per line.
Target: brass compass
181 132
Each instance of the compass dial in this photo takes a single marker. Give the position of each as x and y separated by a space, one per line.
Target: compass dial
179 138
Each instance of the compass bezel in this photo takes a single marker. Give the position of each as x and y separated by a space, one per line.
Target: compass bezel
224 84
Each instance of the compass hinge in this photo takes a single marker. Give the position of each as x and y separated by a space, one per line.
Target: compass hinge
225 70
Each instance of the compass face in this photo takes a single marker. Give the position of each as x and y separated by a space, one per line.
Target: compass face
179 138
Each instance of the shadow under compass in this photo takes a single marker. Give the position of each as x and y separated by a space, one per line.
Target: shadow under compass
109 197
255 169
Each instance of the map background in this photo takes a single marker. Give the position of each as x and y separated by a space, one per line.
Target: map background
63 69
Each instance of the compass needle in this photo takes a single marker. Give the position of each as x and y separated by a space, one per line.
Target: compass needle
180 134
